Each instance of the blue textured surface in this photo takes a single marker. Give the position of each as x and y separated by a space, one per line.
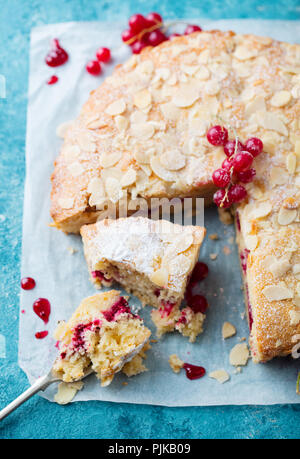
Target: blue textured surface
39 418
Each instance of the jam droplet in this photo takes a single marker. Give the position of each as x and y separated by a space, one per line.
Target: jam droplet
57 55
52 80
193 371
27 283
42 309
41 335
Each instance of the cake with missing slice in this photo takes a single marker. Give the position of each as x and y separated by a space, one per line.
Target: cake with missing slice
104 335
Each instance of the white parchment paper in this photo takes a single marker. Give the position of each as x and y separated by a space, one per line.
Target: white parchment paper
63 278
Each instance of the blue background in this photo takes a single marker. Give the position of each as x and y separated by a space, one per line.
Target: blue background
39 418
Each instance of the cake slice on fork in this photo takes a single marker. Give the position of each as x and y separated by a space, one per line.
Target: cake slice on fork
151 259
102 334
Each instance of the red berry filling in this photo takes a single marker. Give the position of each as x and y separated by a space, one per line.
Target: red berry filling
78 339
120 307
100 275
244 257
193 371
166 308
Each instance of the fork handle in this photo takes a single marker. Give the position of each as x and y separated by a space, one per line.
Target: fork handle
40 384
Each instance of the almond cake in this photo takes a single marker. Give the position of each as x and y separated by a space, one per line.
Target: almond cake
104 335
142 133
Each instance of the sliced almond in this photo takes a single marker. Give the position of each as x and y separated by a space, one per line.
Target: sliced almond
142 99
129 178
173 160
291 162
279 267
116 108
281 98
294 317
170 111
262 210
66 392
278 176
220 375
160 277
110 159
243 53
277 292
113 189
86 142
239 354
286 216
251 241
75 169
160 171
121 123
203 73
66 203
228 330
142 131
185 96
212 88
62 129
296 271
179 265
181 243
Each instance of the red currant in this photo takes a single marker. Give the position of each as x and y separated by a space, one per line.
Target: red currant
254 146
198 303
138 46
221 178
237 193
137 23
153 19
103 55
242 161
199 273
246 176
93 67
229 147
221 200
227 163
156 37
191 29
127 35
217 135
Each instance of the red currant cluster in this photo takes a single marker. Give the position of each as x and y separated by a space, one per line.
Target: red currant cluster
94 66
236 168
147 31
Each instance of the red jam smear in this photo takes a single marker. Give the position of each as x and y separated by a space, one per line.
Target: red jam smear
166 308
100 275
238 223
41 335
120 307
244 257
193 371
57 55
27 283
52 80
42 308
250 315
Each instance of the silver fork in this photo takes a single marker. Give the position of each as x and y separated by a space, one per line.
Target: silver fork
40 385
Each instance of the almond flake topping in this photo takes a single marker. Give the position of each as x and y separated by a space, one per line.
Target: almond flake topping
67 391
61 130
242 53
160 171
116 108
279 267
228 330
294 317
291 162
277 292
110 159
142 99
66 203
128 178
296 271
220 375
160 277
185 96
113 189
121 122
281 98
142 130
286 216
262 210
173 160
239 355
75 169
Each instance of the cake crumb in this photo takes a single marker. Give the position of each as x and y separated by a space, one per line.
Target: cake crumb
238 370
243 338
213 236
71 250
153 341
134 367
225 216
220 375
226 250
239 355
175 363
231 240
228 330
124 383
67 391
213 256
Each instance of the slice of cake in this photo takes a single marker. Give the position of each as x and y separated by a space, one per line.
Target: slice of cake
151 259
102 334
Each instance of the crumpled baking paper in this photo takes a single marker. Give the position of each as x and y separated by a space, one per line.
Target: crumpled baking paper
62 277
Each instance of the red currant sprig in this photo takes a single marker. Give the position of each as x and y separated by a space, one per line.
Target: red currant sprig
103 55
235 168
